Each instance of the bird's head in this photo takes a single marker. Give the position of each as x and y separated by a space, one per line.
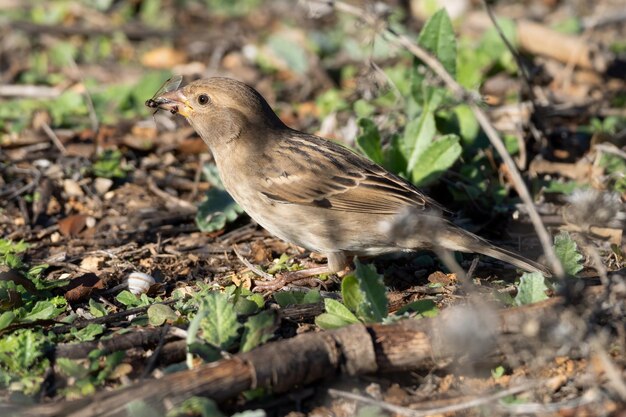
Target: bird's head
219 109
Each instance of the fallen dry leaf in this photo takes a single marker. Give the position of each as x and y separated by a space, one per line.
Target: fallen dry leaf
439 277
81 288
163 57
72 225
92 263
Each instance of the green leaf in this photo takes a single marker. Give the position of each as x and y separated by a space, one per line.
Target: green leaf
615 166
245 306
371 411
562 187
287 298
364 293
216 210
505 298
158 314
6 319
109 165
567 252
312 297
330 101
46 309
498 372
532 289
424 308
257 330
34 273
63 53
351 292
128 298
67 106
437 36
363 108
511 143
21 350
436 159
492 45
72 368
88 333
368 141
8 246
373 308
97 309
337 315
12 261
250 413
418 135
220 326
202 406
468 125
152 14
292 54
257 299
140 408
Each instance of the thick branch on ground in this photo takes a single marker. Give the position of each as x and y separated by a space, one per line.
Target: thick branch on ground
145 339
459 332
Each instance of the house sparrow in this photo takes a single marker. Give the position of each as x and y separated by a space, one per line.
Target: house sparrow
313 192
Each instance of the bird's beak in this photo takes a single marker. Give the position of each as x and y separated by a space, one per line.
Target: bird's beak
174 101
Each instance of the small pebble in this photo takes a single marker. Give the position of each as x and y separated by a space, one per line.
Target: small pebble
72 189
102 185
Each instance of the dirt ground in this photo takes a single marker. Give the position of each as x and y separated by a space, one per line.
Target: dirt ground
95 187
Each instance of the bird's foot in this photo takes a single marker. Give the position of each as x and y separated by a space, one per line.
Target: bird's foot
303 277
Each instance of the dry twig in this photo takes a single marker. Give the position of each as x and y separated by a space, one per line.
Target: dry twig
409 412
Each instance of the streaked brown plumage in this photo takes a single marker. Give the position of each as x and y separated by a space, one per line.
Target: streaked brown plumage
310 191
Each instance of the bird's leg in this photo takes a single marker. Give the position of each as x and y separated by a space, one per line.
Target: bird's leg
337 263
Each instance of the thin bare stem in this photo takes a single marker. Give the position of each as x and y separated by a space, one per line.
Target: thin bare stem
251 267
404 411
54 138
535 408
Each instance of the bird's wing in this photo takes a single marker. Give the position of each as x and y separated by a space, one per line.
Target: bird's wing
308 170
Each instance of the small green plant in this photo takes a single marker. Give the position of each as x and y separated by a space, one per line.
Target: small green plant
421 152
567 252
205 407
532 289
131 300
219 325
86 377
364 300
615 167
24 296
498 372
9 251
22 360
287 298
109 165
218 207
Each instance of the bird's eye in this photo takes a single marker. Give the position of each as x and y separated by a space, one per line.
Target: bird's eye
203 99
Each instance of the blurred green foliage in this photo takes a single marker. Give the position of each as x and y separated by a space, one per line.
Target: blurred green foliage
421 152
23 361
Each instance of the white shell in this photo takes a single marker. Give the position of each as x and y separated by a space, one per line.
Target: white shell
140 283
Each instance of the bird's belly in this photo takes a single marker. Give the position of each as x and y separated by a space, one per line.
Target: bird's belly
289 226
320 229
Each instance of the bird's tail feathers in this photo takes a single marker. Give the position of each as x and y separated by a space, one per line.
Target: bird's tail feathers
465 241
